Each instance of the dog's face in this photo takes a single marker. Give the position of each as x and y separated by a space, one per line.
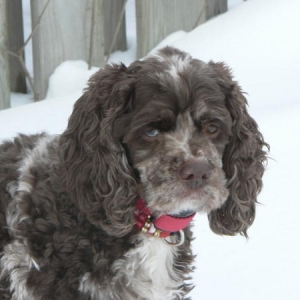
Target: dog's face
172 130
175 133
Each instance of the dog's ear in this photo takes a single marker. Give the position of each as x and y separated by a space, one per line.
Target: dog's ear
243 162
96 172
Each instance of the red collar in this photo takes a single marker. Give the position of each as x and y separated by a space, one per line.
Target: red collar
162 226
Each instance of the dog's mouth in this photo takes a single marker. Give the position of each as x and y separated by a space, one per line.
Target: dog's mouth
183 214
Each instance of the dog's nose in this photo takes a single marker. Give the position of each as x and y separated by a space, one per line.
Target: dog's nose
195 174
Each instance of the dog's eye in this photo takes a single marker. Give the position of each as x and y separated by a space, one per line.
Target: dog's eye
211 129
152 133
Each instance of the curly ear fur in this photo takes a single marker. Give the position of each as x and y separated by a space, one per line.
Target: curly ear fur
96 173
243 162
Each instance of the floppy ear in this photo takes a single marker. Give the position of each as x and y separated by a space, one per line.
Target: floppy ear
243 162
96 172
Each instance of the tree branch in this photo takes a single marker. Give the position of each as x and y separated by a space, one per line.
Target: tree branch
27 74
92 35
19 52
116 32
34 29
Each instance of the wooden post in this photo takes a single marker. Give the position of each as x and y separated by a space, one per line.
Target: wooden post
215 7
156 19
112 11
16 41
4 64
64 33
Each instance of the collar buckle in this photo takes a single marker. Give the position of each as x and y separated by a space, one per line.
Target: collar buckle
150 229
161 227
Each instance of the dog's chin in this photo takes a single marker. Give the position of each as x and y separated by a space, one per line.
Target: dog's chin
183 214
186 203
176 199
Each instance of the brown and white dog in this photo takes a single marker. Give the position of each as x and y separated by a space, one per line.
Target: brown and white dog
103 210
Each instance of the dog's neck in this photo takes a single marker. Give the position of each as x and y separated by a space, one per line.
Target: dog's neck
162 226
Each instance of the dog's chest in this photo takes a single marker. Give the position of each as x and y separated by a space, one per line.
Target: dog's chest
147 271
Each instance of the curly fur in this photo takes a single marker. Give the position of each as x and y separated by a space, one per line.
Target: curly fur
67 202
243 161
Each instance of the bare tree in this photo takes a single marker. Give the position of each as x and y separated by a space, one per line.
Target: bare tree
65 34
15 42
4 64
114 26
215 7
19 54
156 19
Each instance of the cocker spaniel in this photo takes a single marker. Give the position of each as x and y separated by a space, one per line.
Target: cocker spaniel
103 211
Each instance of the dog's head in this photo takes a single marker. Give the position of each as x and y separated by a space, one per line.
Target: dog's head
170 129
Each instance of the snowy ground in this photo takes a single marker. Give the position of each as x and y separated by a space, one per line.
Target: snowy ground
260 41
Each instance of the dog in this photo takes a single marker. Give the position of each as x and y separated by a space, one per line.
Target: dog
104 210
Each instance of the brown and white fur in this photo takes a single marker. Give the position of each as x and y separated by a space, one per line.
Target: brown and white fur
170 129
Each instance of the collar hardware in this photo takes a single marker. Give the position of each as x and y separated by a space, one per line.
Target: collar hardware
162 226
178 243
148 227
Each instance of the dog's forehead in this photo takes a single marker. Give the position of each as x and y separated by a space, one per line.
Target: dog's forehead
155 98
178 81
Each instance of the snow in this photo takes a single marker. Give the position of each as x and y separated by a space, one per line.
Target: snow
260 41
70 76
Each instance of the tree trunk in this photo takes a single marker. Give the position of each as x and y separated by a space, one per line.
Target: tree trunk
4 65
64 33
156 19
112 14
16 41
216 7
